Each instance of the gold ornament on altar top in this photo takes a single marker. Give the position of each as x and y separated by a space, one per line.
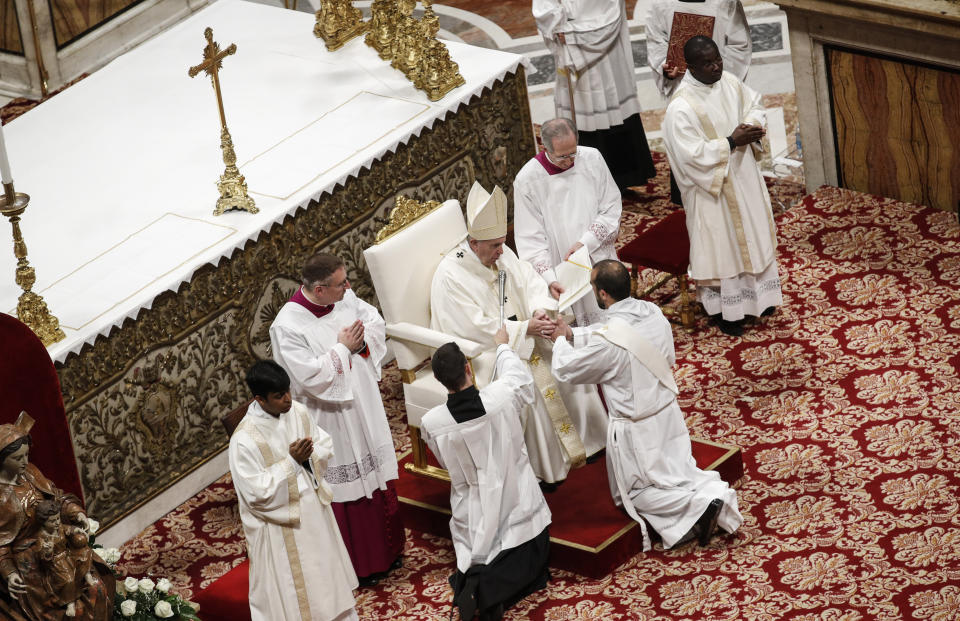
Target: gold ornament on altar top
232 185
31 308
411 45
405 212
338 21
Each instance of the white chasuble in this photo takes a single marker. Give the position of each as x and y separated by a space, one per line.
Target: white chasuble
727 206
340 390
563 421
299 567
599 56
494 497
730 33
650 465
553 212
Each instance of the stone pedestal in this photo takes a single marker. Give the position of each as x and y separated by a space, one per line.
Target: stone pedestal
877 85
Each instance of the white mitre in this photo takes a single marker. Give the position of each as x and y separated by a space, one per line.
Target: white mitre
486 213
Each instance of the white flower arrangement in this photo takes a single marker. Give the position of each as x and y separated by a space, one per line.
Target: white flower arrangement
145 600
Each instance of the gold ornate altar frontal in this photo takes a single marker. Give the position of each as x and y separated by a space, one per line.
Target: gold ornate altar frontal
144 402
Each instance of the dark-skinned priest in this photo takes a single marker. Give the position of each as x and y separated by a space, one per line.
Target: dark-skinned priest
710 131
500 519
650 463
465 302
332 344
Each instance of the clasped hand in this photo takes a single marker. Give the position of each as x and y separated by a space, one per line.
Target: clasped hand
352 336
540 325
301 449
745 134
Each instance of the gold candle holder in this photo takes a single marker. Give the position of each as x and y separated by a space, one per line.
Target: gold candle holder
31 308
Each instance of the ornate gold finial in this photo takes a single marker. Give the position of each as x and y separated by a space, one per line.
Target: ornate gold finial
383 27
31 308
405 212
338 21
232 185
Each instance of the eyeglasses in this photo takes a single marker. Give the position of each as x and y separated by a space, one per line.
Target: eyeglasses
341 285
568 156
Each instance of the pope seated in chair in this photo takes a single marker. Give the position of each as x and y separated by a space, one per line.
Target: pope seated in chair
565 423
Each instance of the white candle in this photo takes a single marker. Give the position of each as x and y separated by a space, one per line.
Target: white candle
5 175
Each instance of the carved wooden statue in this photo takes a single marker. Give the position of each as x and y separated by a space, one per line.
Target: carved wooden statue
48 572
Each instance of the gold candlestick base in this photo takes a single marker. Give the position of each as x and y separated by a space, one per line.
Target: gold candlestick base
338 21
31 308
232 185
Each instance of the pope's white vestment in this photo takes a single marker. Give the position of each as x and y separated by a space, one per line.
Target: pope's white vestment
340 390
494 496
650 466
598 51
463 302
552 212
299 567
729 220
730 33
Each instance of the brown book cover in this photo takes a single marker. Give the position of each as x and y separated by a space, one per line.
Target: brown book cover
685 26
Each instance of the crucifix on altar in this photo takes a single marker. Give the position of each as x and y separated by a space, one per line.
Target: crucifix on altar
232 186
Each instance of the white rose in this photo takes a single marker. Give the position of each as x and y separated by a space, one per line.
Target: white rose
163 609
164 585
92 526
131 584
110 555
146 585
128 607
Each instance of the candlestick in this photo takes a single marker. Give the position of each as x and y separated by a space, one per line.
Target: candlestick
31 308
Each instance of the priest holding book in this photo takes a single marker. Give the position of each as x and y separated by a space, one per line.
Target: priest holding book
565 199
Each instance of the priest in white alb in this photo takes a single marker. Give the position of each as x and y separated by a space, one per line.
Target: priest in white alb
564 200
332 344
565 424
299 567
730 32
710 132
650 462
500 519
590 43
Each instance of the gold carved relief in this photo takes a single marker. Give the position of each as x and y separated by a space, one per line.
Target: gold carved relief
136 433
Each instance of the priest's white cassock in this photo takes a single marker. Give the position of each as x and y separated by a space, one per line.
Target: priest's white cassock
556 208
732 233
565 423
299 567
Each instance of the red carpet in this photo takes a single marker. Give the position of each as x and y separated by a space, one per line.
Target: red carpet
846 405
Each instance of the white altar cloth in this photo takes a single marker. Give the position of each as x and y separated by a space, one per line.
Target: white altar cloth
122 167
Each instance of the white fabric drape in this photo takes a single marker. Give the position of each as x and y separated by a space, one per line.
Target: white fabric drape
340 390
463 302
730 33
553 212
598 51
650 466
494 496
298 562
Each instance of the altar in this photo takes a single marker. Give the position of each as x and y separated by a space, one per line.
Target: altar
163 304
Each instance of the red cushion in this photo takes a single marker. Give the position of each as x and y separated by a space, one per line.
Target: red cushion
227 598
28 381
665 246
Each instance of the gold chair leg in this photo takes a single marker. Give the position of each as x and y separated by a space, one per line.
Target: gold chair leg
686 308
419 466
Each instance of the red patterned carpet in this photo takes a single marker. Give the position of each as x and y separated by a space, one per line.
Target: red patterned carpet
847 405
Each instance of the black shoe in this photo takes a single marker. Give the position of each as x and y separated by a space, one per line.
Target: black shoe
730 328
369 581
548 488
598 455
768 311
707 523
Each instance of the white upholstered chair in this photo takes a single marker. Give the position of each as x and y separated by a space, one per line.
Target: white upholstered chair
401 265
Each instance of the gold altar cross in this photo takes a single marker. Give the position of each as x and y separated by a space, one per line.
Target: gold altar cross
232 186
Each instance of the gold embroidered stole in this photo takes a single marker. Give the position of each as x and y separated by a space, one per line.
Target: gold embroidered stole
289 542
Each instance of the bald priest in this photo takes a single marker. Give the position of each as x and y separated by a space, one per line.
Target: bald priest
566 423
